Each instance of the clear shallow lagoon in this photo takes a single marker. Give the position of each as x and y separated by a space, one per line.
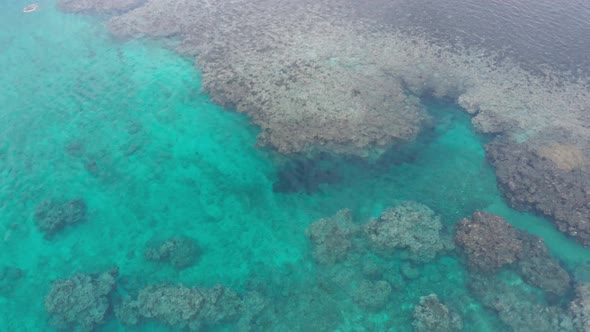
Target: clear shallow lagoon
126 127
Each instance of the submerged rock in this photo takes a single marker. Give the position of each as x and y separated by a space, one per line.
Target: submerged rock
488 241
332 238
80 303
9 277
433 316
51 216
187 308
553 180
409 226
178 251
373 295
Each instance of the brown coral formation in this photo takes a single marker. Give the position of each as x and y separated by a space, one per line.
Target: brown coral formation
538 268
488 241
530 180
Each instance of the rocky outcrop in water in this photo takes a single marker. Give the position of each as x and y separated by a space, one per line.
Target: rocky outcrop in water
51 216
80 303
430 315
552 179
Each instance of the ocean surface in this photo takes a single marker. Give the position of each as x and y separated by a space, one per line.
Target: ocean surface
552 33
125 127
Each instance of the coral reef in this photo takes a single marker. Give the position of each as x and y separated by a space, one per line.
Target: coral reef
488 241
188 308
556 184
538 268
409 226
332 238
314 79
580 308
433 316
518 306
373 295
80 303
178 251
98 6
51 216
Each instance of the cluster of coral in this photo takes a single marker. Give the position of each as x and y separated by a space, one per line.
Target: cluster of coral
511 272
51 216
83 302
179 251
330 75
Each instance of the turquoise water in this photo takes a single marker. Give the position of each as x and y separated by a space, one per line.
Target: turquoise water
126 127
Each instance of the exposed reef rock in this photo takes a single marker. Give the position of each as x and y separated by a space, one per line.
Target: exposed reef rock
178 251
490 243
332 238
433 316
51 216
553 180
98 6
409 226
188 308
80 303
